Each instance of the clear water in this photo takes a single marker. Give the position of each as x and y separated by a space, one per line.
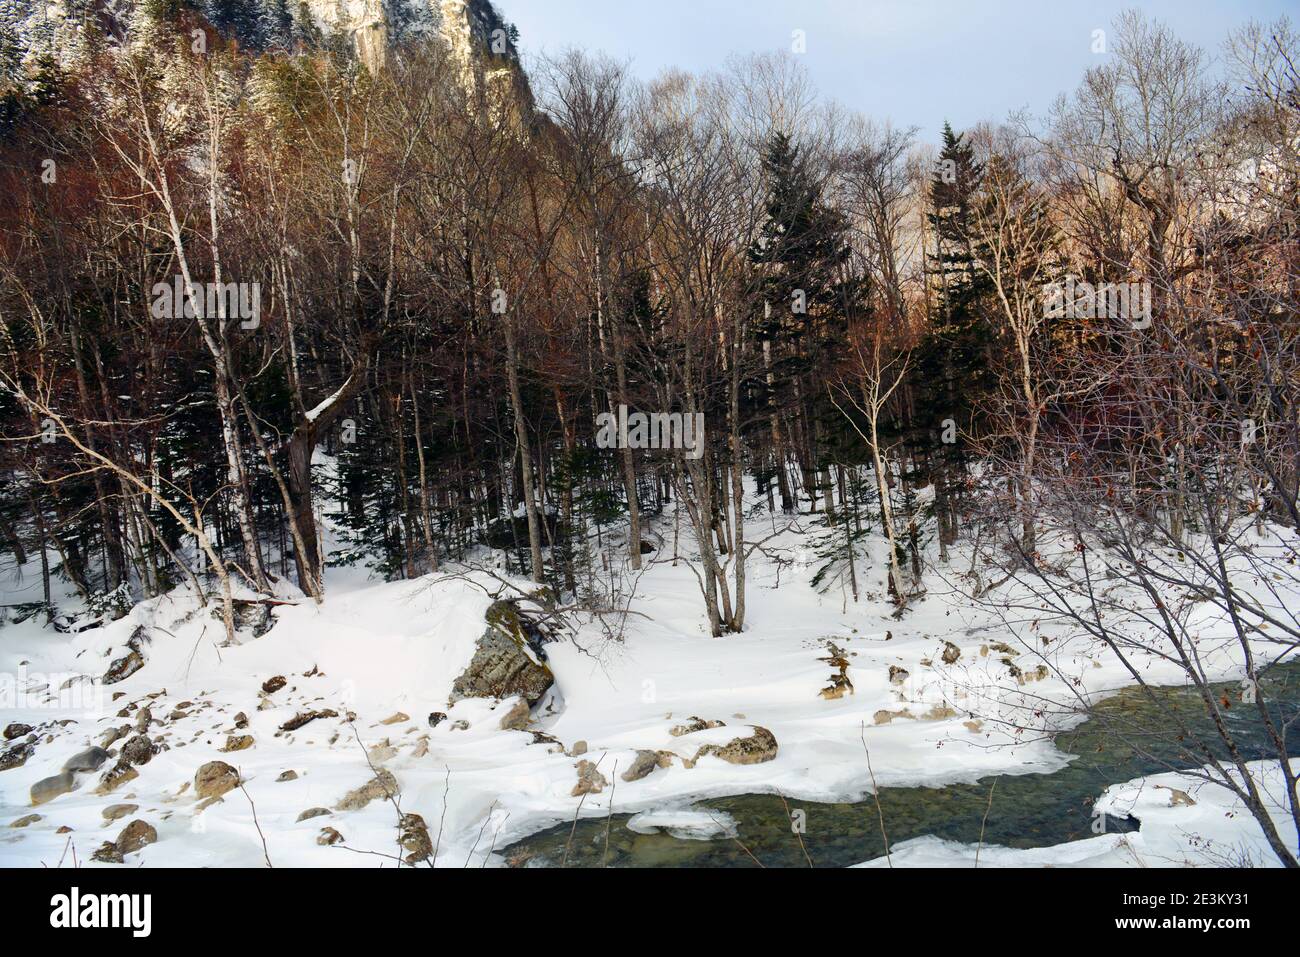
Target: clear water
1029 810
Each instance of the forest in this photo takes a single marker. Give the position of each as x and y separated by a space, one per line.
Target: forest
275 302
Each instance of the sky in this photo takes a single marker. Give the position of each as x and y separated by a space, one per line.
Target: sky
916 63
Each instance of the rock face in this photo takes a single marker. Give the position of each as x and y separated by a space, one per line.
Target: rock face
88 760
382 785
501 665
47 789
214 779
752 749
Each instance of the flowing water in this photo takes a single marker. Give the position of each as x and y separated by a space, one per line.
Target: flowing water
1028 810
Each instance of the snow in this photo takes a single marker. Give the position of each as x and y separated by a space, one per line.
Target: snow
1214 831
380 650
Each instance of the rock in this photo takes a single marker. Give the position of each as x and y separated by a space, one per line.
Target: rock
382 752
135 836
143 720
382 785
974 727
397 718
579 748
460 724
298 720
47 789
645 762
590 780
113 735
516 719
898 675
287 776
413 835
17 730
884 717
329 836
107 853
950 653
27 819
694 724
115 777
436 718
17 756
313 812
239 742
138 751
254 615
939 712
755 748
214 779
241 721
272 685
63 829
115 811
123 668
502 665
88 760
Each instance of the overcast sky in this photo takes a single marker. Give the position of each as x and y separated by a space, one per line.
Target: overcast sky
916 63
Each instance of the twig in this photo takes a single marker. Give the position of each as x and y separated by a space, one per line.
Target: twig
875 791
992 788
788 817
265 853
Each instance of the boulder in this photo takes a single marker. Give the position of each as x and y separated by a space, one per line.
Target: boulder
214 779
754 748
17 730
115 811
287 776
123 668
135 836
47 789
115 777
27 819
238 742
645 762
139 750
313 812
17 756
502 664
88 760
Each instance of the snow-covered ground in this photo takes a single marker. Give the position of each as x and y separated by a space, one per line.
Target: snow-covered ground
387 653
